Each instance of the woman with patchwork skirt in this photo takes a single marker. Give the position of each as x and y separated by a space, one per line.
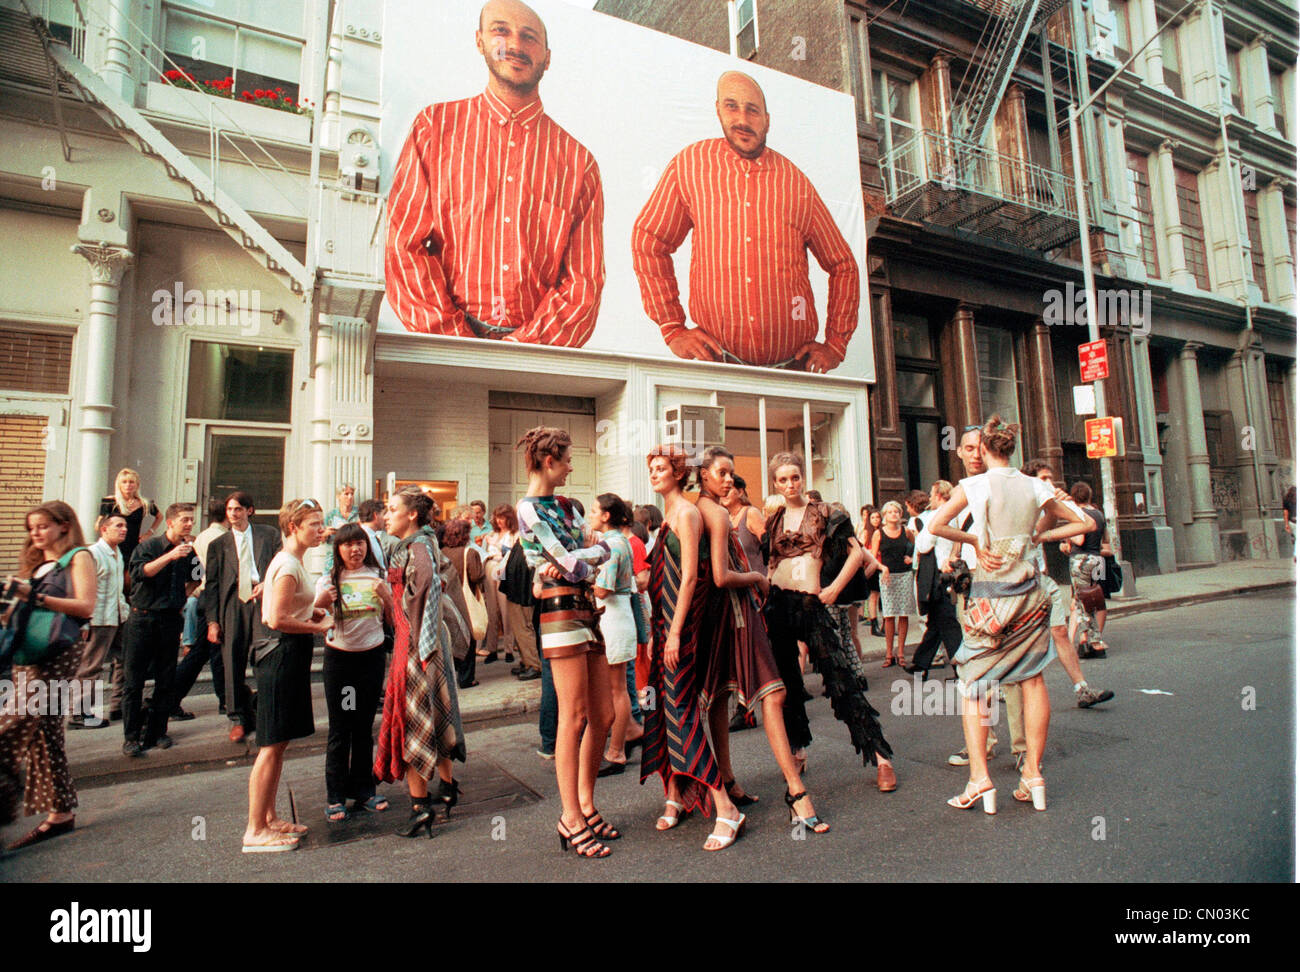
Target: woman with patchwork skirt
1005 614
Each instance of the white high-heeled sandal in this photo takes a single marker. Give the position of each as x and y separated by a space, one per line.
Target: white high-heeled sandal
975 789
675 820
736 827
1032 790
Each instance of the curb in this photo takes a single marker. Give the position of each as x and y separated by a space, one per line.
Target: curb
1122 610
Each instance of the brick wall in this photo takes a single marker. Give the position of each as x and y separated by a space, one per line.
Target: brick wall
22 479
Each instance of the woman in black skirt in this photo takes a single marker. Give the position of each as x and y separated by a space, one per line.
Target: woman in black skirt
283 662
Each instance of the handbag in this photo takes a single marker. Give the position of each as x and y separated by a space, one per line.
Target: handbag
478 614
1091 598
44 632
1112 579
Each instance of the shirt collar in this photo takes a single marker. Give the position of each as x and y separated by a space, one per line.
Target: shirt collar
740 161
502 113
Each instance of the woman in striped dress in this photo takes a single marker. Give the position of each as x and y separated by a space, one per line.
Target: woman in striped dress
676 741
562 553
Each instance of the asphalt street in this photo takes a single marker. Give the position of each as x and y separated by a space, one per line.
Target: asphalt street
1187 776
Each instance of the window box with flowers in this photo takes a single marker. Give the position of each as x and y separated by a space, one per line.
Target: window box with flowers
265 112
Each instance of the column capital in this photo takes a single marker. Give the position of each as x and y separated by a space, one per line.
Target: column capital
964 309
1190 348
107 261
940 60
1168 145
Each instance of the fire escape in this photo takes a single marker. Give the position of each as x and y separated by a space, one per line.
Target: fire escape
955 179
341 274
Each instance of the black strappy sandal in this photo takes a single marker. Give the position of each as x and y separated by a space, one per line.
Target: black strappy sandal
813 822
583 843
743 800
602 829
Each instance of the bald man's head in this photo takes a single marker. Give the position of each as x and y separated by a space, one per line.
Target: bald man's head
742 110
512 39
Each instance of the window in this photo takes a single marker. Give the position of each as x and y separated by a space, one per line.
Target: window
1189 215
1234 73
1123 36
1257 262
1290 227
259 45
1139 188
744 28
241 384
995 359
35 361
1173 64
891 100
1279 101
1276 377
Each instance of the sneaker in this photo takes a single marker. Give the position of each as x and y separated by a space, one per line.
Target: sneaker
1087 698
181 715
162 742
132 748
960 758
545 755
529 674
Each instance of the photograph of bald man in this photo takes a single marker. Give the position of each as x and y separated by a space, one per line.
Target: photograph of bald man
496 212
754 216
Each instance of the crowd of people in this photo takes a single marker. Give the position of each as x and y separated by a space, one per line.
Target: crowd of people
664 626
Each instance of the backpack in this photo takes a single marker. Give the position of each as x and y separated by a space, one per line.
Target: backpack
517 580
45 633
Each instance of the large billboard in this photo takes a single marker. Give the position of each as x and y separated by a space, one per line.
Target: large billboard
557 176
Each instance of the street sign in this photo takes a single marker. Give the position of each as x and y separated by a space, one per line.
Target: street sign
1085 400
1094 365
1104 437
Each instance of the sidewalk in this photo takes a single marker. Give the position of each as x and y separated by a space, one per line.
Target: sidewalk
96 755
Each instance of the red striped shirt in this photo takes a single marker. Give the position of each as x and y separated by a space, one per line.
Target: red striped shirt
495 214
754 221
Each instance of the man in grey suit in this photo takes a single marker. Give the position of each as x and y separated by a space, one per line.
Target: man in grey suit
232 600
371 517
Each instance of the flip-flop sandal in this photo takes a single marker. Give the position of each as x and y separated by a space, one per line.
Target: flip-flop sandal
376 804
336 813
290 829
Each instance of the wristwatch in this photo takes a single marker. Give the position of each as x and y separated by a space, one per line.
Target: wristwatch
39 598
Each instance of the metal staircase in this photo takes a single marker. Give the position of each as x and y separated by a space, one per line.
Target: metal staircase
141 134
1014 21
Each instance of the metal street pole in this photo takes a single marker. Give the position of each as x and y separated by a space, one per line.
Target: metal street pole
1109 505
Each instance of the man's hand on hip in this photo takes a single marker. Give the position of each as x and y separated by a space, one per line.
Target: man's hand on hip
695 344
816 357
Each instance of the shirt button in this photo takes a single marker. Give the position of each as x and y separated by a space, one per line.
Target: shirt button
507 219
746 204
512 144
751 318
512 179
748 239
748 280
505 266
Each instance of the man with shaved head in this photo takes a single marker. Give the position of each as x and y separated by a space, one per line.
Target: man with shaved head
495 214
754 216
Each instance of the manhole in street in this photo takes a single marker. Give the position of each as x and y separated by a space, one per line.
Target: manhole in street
485 788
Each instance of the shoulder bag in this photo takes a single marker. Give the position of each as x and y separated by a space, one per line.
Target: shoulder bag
478 615
45 632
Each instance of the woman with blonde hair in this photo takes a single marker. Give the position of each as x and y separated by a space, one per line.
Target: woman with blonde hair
127 500
57 590
1004 615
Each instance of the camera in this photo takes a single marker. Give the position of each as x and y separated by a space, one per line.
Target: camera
957 580
10 598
